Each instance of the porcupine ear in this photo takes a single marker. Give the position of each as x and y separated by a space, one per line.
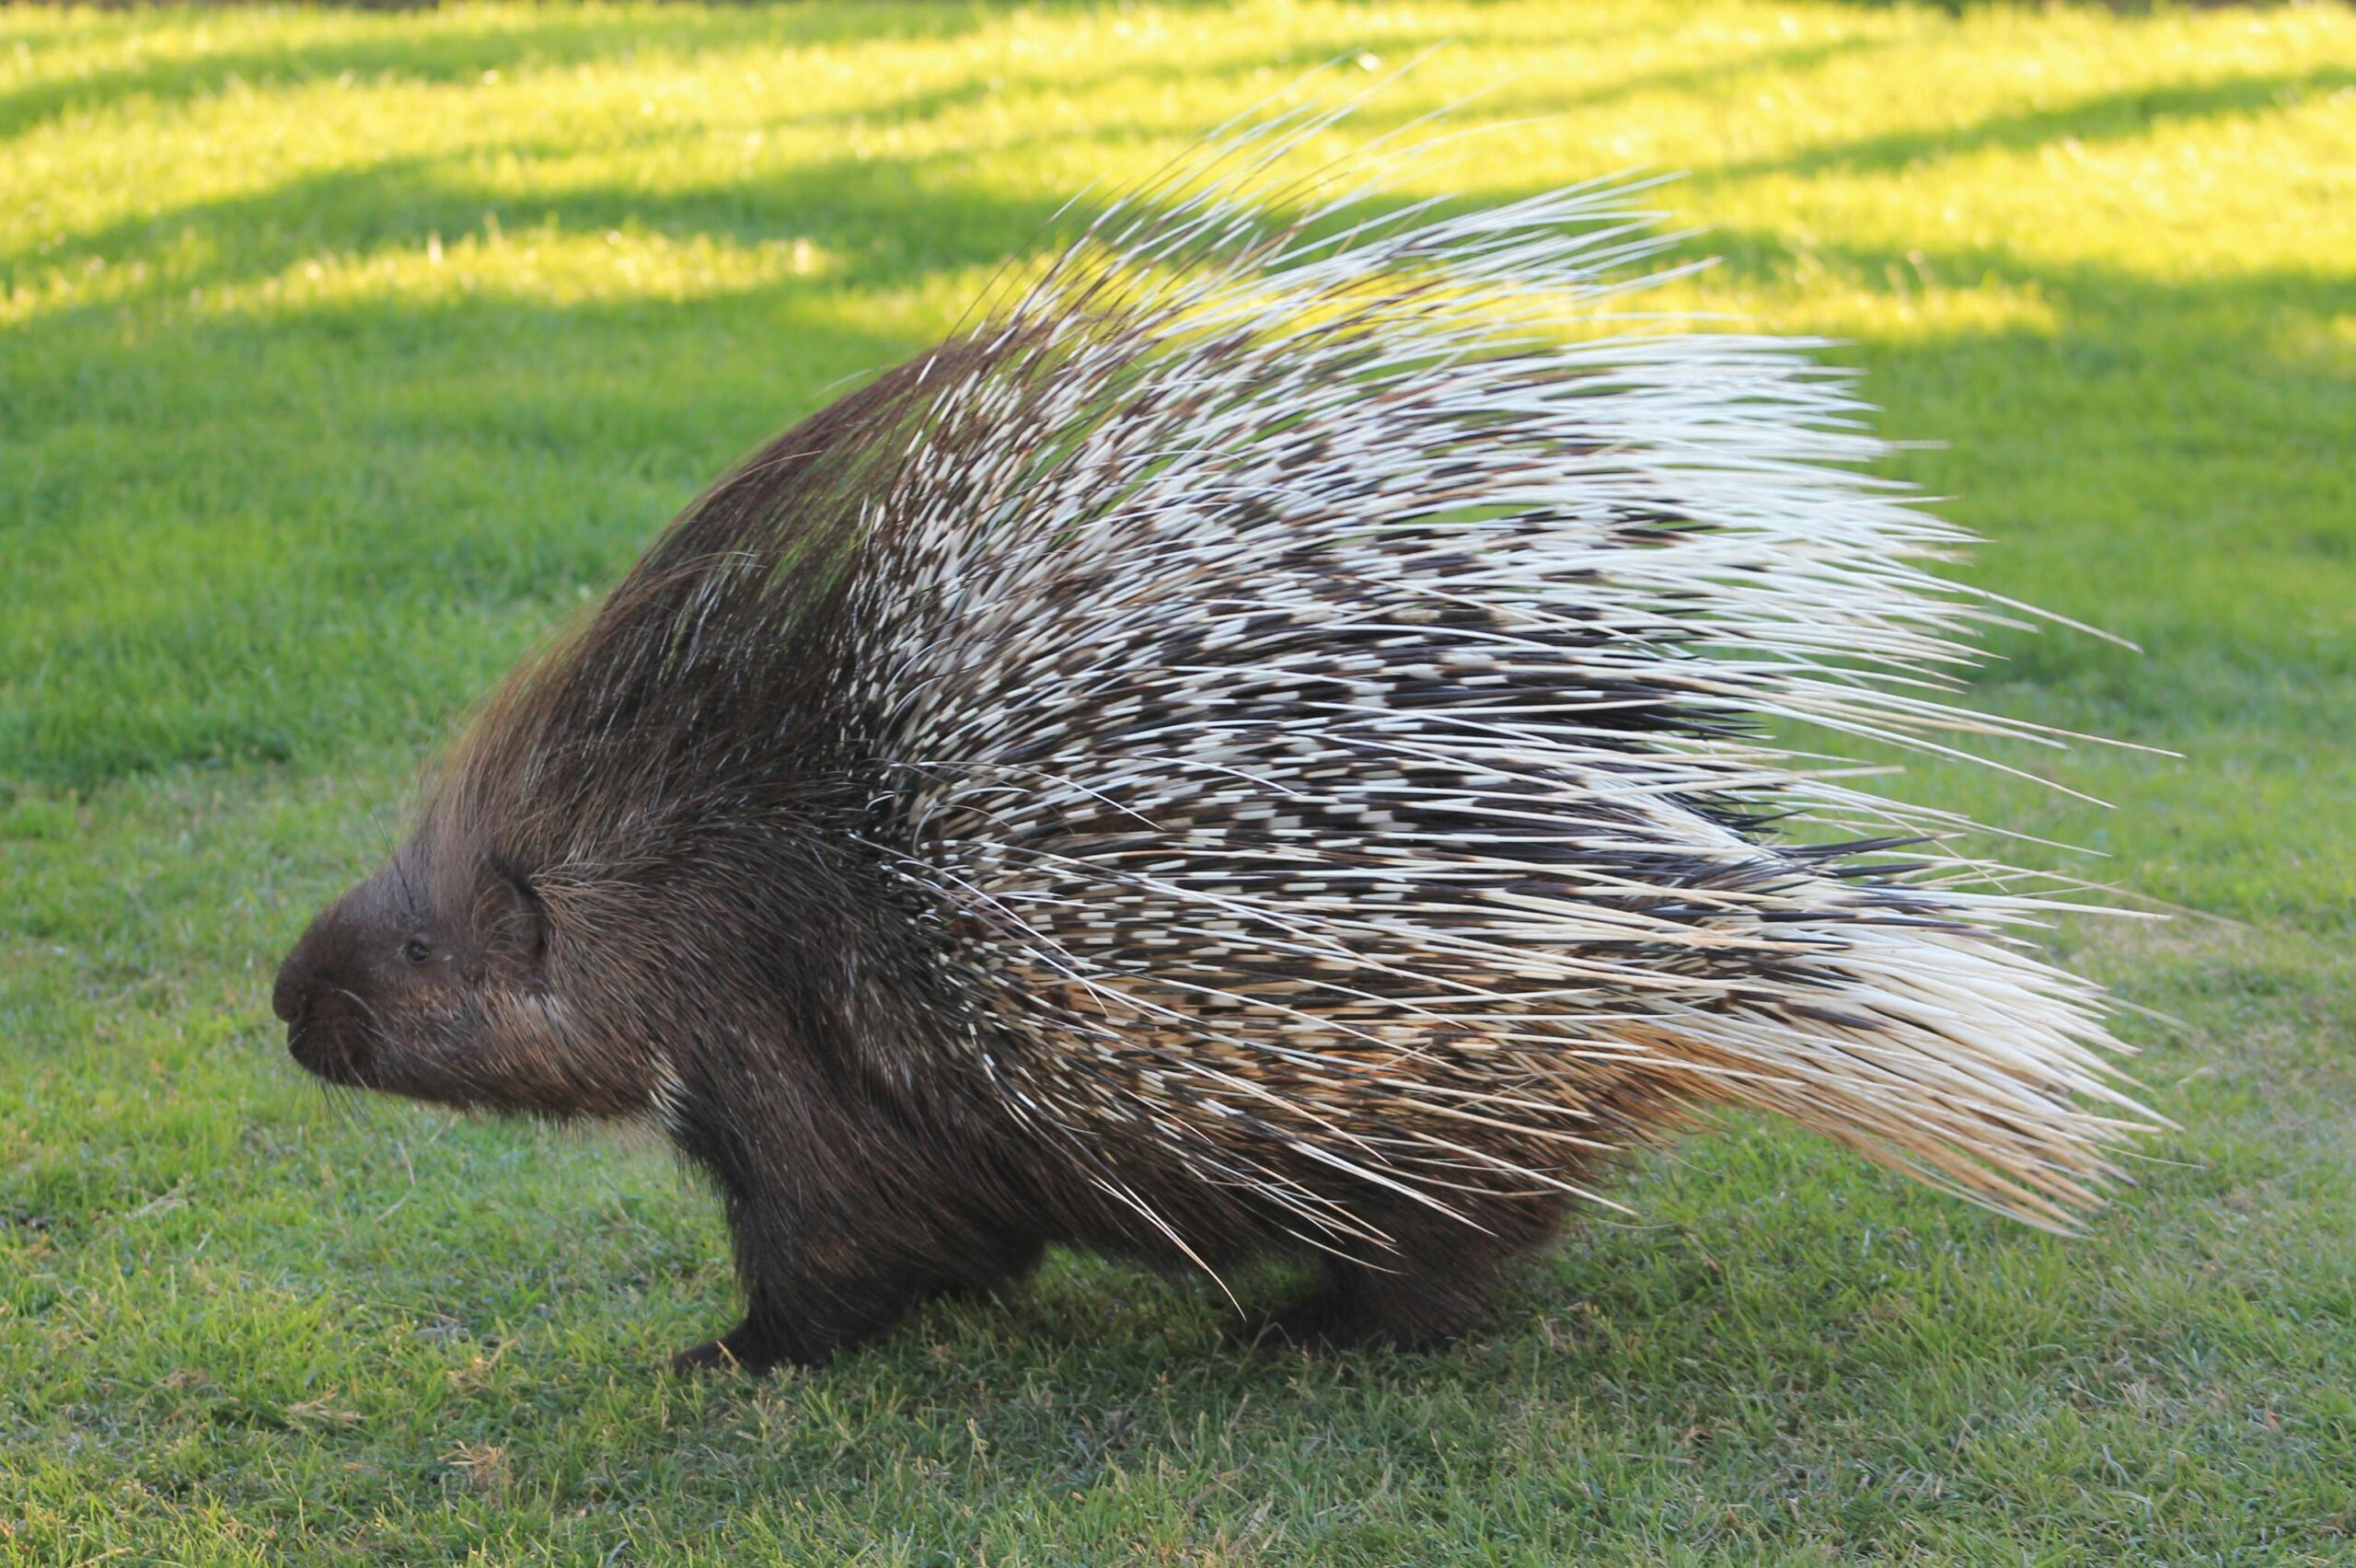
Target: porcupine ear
512 918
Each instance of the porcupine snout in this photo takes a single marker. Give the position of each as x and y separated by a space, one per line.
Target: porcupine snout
308 974
298 979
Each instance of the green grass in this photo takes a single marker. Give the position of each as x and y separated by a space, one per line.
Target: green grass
341 354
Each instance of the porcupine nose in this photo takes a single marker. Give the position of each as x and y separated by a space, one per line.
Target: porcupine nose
300 978
289 998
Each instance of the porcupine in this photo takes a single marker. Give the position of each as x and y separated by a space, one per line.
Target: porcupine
1258 747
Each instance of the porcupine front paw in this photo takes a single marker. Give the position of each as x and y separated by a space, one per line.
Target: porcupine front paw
746 1348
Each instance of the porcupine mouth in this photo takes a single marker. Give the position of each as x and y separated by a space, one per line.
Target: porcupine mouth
338 1056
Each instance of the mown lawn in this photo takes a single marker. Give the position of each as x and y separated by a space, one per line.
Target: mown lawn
341 354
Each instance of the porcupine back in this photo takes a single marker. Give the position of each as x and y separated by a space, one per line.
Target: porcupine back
1324 726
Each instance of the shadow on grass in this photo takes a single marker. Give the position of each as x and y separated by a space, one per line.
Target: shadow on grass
2122 8
451 49
391 495
899 216
2108 116
446 52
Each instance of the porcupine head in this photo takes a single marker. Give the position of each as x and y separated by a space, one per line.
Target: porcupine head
1256 746
441 977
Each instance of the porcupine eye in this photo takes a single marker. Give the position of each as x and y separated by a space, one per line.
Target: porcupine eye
417 949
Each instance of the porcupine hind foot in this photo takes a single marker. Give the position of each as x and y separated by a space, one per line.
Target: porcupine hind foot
775 1333
1434 1288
